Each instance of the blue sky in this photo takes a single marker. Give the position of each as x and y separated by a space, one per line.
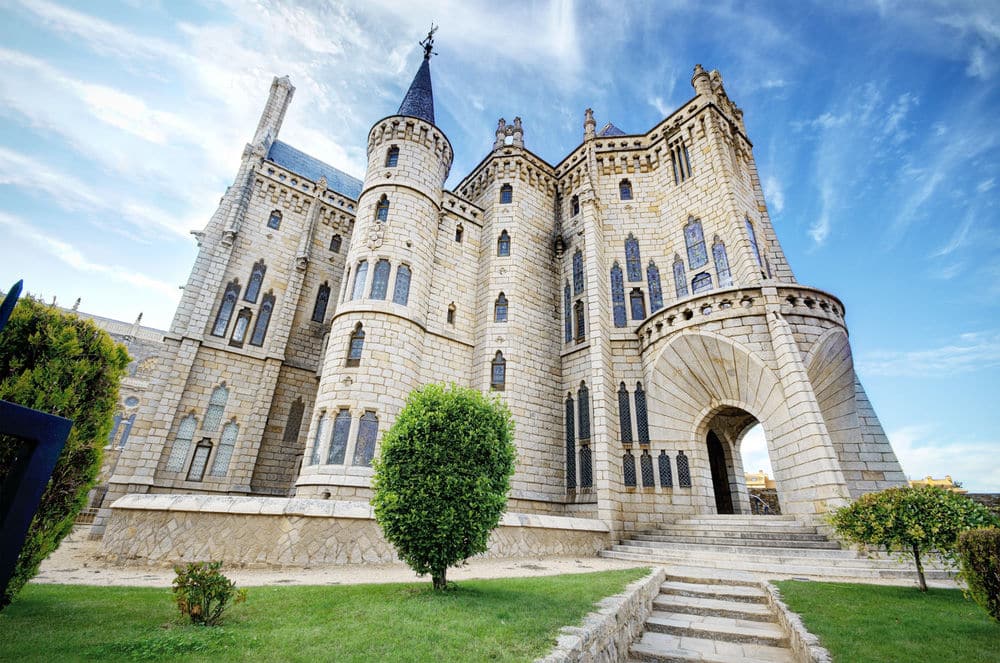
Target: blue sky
874 127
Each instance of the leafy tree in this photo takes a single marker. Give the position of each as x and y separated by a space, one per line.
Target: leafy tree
442 477
60 364
914 520
979 552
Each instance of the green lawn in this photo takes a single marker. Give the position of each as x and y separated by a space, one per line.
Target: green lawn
872 623
482 620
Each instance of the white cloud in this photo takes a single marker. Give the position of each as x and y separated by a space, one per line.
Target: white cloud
973 351
774 193
986 185
924 451
753 451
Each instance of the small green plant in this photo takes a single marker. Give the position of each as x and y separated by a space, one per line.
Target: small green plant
979 553
203 593
912 520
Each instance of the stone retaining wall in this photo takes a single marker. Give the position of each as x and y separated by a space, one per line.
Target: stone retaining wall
272 531
805 646
607 634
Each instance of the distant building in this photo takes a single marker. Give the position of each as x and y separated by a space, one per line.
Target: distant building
760 481
945 483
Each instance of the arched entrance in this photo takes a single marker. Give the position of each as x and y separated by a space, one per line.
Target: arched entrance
724 431
720 475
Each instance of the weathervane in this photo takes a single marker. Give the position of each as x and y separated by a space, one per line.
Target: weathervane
428 43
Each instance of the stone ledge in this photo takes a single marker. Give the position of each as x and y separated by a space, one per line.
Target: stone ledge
805 646
607 633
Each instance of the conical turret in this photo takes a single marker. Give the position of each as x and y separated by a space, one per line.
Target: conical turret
419 99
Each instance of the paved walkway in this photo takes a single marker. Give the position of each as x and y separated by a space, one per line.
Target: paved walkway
75 562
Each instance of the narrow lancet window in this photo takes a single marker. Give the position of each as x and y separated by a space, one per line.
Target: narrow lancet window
581 328
226 308
570 444
335 243
666 478
567 313
628 469
506 194
200 460
680 277
216 408
459 231
338 442
274 220
500 309
637 302
356 346
182 443
224 452
721 263
382 209
240 328
618 295
503 244
753 240
633 264
380 279
646 466
498 372
322 298
364 445
294 422
256 280
263 319
655 289
392 157
578 272
401 291
625 190
624 414
641 416
574 204
360 276
321 426
694 239
583 399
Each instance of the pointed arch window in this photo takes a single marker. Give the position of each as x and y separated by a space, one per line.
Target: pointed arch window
114 430
240 328
680 278
637 302
274 220
360 276
655 289
581 328
625 190
570 444
126 431
701 283
633 264
503 244
226 308
263 319
321 426
182 443
401 290
256 280
294 422
683 470
380 279
392 157
450 317
500 309
574 204
216 408
200 460
583 399
694 239
628 469
618 295
663 463
567 313
624 414
753 240
721 263
382 209
356 346
641 415
335 243
459 231
498 372
506 194
322 299
578 272
646 467
364 444
224 453
338 443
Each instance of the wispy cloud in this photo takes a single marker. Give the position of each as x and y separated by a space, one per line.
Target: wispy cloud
986 185
774 193
924 450
973 351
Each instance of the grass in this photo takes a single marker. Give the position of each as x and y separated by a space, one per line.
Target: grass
481 620
877 624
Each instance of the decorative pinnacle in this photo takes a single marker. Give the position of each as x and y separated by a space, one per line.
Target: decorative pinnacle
428 42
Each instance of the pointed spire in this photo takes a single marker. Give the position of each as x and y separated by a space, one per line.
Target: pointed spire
419 99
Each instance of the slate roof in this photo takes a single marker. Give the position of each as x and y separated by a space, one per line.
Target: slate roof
419 99
311 168
610 130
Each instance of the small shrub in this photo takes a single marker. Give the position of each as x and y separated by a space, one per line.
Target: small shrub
979 553
203 593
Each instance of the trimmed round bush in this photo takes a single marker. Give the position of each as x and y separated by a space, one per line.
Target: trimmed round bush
442 477
979 553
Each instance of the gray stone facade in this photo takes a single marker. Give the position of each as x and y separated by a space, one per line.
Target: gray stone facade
631 304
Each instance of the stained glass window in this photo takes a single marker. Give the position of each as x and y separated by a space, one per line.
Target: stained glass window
503 244
227 443
360 276
263 319
574 205
498 372
570 444
641 416
633 264
701 283
401 291
392 157
637 302
753 240
680 278
126 431
322 299
506 194
364 445
583 398
356 346
338 443
618 295
241 326
294 422
721 263
655 290
274 221
625 190
216 408
114 429
663 463
380 279
256 279
500 309
226 309
335 242
567 313
200 459
624 414
182 444
578 272
320 436
382 209
694 239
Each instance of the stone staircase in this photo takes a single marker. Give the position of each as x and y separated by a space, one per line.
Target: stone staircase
769 546
712 620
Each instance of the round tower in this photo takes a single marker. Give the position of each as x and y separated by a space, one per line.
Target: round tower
376 338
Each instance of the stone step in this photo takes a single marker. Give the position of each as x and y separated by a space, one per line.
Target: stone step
753 521
742 593
774 541
655 647
754 535
695 605
718 628
699 554
863 569
792 528
743 549
739 517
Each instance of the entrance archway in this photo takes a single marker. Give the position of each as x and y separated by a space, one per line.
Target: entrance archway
720 475
723 432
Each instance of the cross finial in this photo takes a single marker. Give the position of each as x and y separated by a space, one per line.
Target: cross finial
428 43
